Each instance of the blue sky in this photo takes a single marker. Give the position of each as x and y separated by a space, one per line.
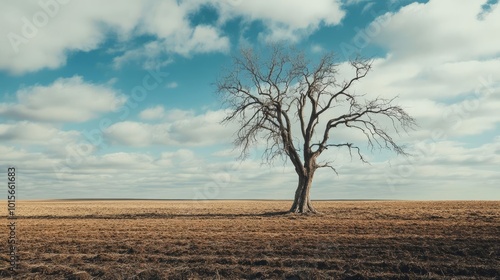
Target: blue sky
106 100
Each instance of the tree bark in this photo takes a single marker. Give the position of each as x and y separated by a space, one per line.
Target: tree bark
302 202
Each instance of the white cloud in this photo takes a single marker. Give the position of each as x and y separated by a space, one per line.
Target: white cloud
151 55
138 134
181 156
185 174
202 39
448 36
445 78
65 100
172 85
169 22
153 113
53 142
179 128
276 16
40 35
27 131
178 114
39 163
317 48
227 153
367 7
202 129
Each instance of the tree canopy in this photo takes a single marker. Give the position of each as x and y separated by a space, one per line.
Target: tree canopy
295 106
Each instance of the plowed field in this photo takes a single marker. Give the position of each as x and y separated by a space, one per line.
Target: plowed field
254 240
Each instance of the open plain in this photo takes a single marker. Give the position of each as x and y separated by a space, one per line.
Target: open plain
255 240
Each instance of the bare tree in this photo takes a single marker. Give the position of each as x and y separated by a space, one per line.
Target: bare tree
294 106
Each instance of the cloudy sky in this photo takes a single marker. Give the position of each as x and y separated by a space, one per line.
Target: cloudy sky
102 99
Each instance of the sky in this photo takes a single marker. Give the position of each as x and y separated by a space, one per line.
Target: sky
102 99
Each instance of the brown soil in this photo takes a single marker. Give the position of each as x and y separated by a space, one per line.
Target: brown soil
254 240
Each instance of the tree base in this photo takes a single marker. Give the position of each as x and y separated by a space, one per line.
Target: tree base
305 213
307 209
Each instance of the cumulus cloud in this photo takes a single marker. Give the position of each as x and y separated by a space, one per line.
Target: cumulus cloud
448 36
445 78
27 131
39 36
178 128
106 175
185 174
39 163
202 39
275 16
65 100
181 156
138 134
46 136
174 115
152 113
151 55
169 22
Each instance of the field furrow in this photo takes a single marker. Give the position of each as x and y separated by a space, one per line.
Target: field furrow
254 240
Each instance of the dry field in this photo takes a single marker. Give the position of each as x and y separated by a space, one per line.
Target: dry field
252 240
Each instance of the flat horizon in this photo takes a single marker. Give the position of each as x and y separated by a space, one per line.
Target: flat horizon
248 199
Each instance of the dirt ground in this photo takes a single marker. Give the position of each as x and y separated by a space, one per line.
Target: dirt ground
254 240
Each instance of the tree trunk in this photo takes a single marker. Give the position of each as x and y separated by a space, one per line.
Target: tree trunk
302 202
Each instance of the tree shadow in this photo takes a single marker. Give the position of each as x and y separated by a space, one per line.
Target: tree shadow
163 216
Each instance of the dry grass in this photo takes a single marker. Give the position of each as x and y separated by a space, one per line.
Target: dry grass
252 240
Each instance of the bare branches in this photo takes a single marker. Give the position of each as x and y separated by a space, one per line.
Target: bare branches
279 98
